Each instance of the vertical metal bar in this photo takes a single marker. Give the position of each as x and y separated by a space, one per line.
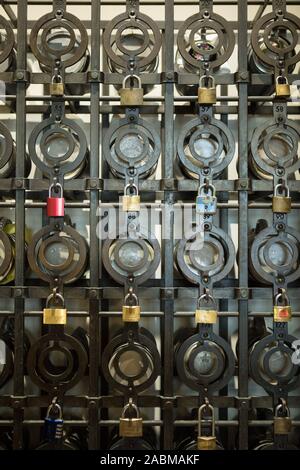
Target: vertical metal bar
168 243
20 221
243 221
94 438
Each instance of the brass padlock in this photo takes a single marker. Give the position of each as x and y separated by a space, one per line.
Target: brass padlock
282 424
282 87
131 313
132 96
131 427
131 202
55 315
207 94
206 442
282 313
56 86
281 204
206 315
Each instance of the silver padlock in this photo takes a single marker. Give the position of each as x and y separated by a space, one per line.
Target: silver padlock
206 203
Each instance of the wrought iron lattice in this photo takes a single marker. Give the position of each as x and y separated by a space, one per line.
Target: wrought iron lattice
164 110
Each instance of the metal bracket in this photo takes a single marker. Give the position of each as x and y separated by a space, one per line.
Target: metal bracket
21 76
95 76
243 184
242 77
168 293
94 293
19 183
94 183
242 293
243 402
169 184
169 77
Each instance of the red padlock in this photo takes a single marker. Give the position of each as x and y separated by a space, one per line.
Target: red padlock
55 205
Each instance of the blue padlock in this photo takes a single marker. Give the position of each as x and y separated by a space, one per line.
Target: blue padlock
206 202
53 429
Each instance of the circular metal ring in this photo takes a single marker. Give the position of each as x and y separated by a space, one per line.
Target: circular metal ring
216 371
261 25
140 22
213 128
121 127
44 361
256 373
142 341
49 383
144 241
66 167
8 255
131 160
220 379
7 145
54 133
291 130
64 50
229 251
116 361
212 131
214 267
290 134
55 238
118 40
212 26
268 357
218 24
287 27
263 238
138 266
282 268
68 21
9 39
79 264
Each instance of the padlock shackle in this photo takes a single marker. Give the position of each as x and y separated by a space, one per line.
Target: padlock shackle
128 406
207 297
131 185
55 295
281 185
282 77
209 407
56 185
207 77
54 406
57 79
284 408
284 297
132 295
132 77
207 186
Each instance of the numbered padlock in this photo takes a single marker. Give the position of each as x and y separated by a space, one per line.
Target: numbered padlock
132 96
55 315
57 86
280 203
55 205
283 89
131 202
53 429
131 427
206 442
131 313
207 94
282 313
282 424
207 315
206 202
